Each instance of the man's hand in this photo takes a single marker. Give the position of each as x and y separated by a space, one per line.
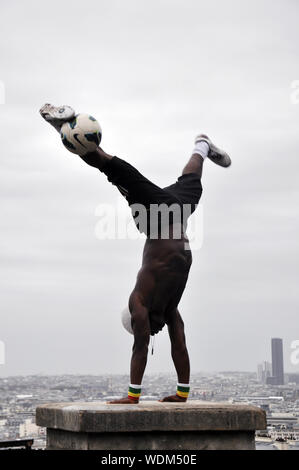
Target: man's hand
174 398
122 401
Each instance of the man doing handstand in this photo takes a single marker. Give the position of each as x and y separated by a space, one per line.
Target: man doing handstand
166 262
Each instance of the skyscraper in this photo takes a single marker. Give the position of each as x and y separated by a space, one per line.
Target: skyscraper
277 362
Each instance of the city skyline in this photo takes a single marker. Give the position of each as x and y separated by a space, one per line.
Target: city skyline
263 369
21 396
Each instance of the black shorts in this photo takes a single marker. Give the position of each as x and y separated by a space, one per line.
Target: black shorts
137 189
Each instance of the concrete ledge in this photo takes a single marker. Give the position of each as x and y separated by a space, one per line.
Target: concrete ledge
150 425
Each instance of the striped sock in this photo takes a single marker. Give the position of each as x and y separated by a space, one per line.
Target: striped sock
134 392
183 390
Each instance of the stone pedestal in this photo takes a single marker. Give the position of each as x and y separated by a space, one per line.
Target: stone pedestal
150 425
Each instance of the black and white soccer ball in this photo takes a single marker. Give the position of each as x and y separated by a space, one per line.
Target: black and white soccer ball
82 134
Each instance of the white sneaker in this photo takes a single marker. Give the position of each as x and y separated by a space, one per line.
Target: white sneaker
56 116
215 154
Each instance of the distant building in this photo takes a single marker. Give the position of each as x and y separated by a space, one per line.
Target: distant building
282 420
293 378
264 371
28 429
277 377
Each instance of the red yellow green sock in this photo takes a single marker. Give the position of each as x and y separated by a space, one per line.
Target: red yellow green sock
134 392
183 390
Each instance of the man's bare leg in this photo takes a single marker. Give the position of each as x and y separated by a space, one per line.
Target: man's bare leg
179 354
194 165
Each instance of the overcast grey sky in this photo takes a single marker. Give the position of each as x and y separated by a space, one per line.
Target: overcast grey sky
154 74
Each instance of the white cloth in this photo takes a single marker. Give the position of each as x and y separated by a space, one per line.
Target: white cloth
126 320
